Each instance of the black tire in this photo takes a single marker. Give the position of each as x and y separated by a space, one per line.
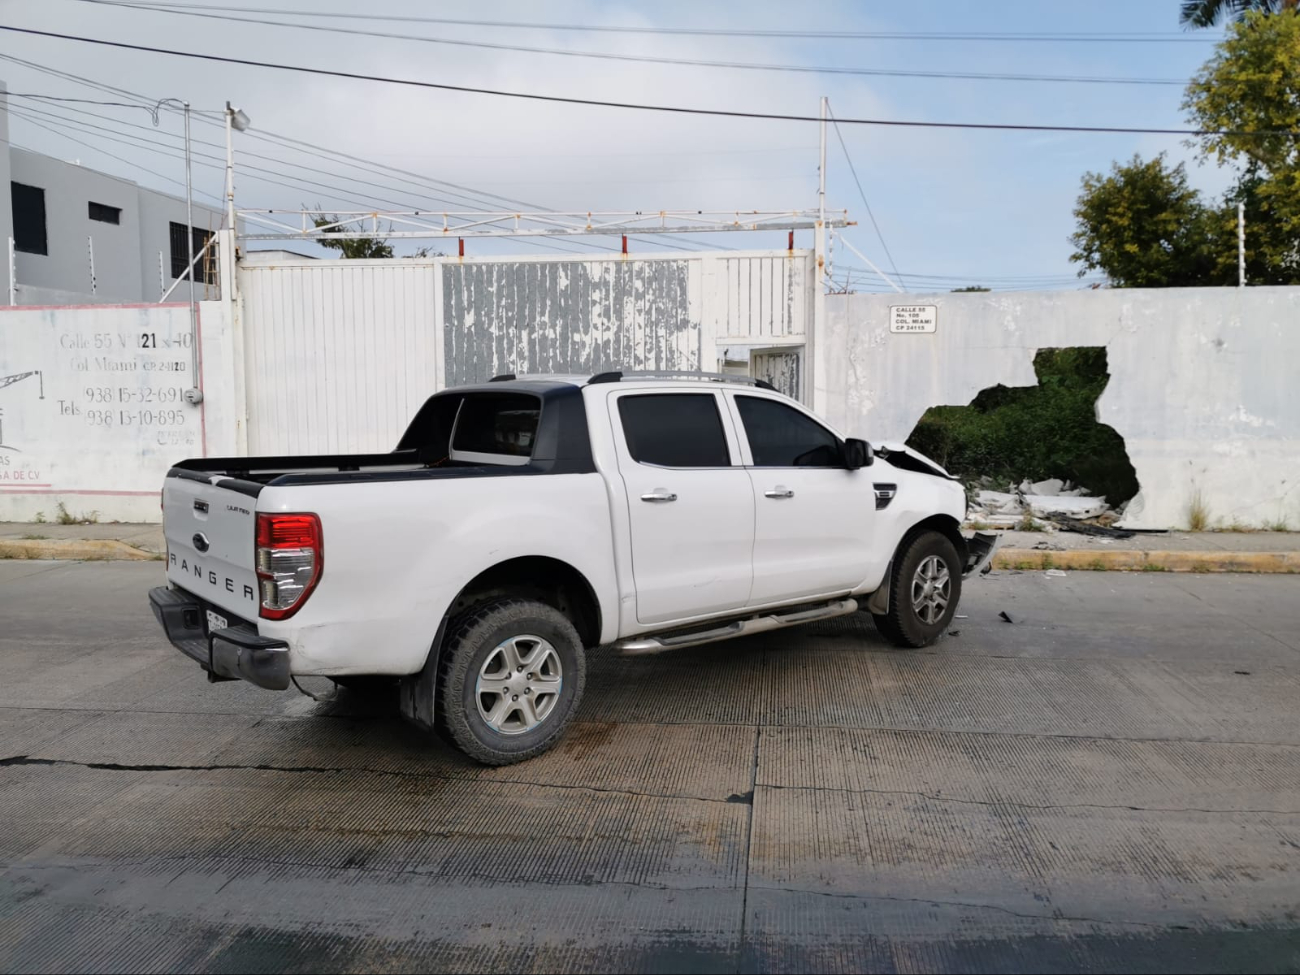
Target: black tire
478 638
903 625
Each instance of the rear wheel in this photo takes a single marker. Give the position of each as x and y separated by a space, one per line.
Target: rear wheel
510 677
924 589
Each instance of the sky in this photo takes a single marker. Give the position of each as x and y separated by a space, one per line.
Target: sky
954 207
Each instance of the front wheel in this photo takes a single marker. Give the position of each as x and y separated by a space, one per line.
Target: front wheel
510 677
924 589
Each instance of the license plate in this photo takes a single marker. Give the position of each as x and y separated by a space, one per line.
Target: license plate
216 621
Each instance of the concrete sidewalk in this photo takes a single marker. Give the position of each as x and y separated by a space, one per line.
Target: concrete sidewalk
1174 551
115 541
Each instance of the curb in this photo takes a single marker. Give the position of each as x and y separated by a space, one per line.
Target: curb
75 549
1157 561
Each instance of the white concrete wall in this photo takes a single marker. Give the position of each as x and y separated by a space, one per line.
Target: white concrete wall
1203 384
104 417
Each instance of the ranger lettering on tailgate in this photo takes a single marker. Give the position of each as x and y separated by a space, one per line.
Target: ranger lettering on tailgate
211 577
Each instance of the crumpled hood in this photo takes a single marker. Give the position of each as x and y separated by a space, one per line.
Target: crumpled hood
902 456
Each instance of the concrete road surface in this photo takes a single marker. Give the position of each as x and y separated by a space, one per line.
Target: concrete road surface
1109 783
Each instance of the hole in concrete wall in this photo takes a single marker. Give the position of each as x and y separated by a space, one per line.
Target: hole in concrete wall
1009 433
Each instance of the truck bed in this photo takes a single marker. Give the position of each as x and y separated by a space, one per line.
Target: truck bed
248 475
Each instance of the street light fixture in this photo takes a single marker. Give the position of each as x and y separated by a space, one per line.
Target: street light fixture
236 121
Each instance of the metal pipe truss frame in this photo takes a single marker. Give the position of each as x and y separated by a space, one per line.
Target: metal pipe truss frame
355 224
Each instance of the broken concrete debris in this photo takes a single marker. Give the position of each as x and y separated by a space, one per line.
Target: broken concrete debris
1049 504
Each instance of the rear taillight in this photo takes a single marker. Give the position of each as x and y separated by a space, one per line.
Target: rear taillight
290 557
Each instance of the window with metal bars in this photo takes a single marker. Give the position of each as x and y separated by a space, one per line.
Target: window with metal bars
104 213
205 270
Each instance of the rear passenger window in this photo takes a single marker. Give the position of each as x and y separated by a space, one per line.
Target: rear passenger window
674 430
495 428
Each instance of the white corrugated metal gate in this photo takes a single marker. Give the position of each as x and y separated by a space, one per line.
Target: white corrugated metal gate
339 354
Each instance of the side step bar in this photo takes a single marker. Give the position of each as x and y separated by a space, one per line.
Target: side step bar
755 624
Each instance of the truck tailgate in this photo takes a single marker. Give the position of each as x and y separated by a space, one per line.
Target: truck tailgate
211 536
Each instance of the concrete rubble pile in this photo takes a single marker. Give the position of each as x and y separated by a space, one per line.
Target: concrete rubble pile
1050 500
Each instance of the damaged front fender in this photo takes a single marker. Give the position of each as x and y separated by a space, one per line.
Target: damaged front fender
979 553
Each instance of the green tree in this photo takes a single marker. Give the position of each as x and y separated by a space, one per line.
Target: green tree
354 248
1247 98
1145 227
1205 13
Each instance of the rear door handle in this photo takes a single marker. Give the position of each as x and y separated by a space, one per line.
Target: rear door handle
659 494
779 492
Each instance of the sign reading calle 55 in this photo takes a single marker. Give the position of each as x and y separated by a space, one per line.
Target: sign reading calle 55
913 318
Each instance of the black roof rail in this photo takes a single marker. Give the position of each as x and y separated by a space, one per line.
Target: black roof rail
716 377
505 377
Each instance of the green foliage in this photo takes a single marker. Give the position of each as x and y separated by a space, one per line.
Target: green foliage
1250 92
1048 430
1145 227
357 248
1206 13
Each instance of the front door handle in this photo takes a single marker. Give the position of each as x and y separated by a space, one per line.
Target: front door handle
779 492
659 494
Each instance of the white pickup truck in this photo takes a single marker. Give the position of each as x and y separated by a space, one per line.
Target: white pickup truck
524 521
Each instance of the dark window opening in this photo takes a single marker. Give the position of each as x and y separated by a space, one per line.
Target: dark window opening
29 218
781 436
674 430
205 269
104 213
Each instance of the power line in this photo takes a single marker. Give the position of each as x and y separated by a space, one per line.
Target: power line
473 197
121 159
323 153
830 35
252 172
84 101
862 193
647 58
61 130
218 162
637 106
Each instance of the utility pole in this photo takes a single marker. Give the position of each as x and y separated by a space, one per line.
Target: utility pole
816 367
193 395
1241 245
821 196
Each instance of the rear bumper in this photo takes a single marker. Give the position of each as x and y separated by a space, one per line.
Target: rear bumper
235 653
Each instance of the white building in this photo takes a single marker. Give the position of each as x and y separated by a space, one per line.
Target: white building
66 219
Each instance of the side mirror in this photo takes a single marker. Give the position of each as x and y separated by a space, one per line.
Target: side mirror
857 453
